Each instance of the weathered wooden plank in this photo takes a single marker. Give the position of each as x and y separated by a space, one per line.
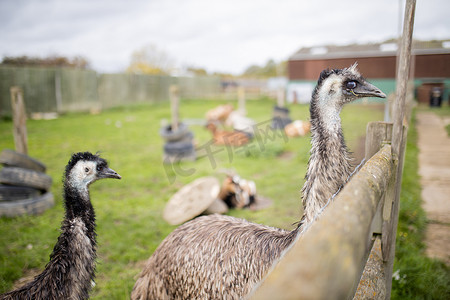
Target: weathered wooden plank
241 100
281 97
377 134
174 105
19 120
398 137
326 262
373 282
403 76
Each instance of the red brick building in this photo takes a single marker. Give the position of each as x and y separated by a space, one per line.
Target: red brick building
430 65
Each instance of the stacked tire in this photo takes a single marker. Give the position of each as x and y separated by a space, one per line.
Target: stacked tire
179 143
280 117
24 186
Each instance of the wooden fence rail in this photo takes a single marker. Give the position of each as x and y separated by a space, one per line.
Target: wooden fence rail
328 260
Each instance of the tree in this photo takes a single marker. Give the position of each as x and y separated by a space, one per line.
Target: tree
78 62
271 69
197 71
150 60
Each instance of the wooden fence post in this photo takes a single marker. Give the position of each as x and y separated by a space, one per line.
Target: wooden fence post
398 138
58 93
241 100
174 105
373 282
19 120
280 97
377 134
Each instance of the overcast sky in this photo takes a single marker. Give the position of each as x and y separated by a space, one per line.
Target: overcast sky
225 36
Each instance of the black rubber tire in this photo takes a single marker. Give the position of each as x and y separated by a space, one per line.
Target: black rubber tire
281 112
31 206
12 193
187 138
280 117
178 148
172 136
25 177
12 158
280 123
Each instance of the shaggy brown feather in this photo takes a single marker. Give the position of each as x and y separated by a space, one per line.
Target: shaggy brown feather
251 249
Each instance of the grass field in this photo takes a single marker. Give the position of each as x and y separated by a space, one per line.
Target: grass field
129 212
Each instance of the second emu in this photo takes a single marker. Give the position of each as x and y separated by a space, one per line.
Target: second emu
222 257
71 270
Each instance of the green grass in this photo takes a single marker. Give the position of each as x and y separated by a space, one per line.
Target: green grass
418 277
129 212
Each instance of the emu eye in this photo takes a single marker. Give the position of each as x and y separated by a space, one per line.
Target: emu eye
99 168
351 85
86 169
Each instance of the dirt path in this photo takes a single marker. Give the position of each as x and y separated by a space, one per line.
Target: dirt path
434 169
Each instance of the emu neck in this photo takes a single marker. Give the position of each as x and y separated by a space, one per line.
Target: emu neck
76 246
71 269
329 164
79 207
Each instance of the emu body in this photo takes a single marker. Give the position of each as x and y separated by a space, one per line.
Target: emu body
221 257
71 270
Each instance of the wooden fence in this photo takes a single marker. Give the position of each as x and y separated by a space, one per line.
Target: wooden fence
328 261
348 253
64 90
60 90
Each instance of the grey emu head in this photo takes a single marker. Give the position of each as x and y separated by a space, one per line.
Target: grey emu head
85 168
340 86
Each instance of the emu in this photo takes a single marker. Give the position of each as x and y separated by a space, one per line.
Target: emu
71 270
221 257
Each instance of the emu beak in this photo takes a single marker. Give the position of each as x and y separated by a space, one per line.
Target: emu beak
109 173
368 90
